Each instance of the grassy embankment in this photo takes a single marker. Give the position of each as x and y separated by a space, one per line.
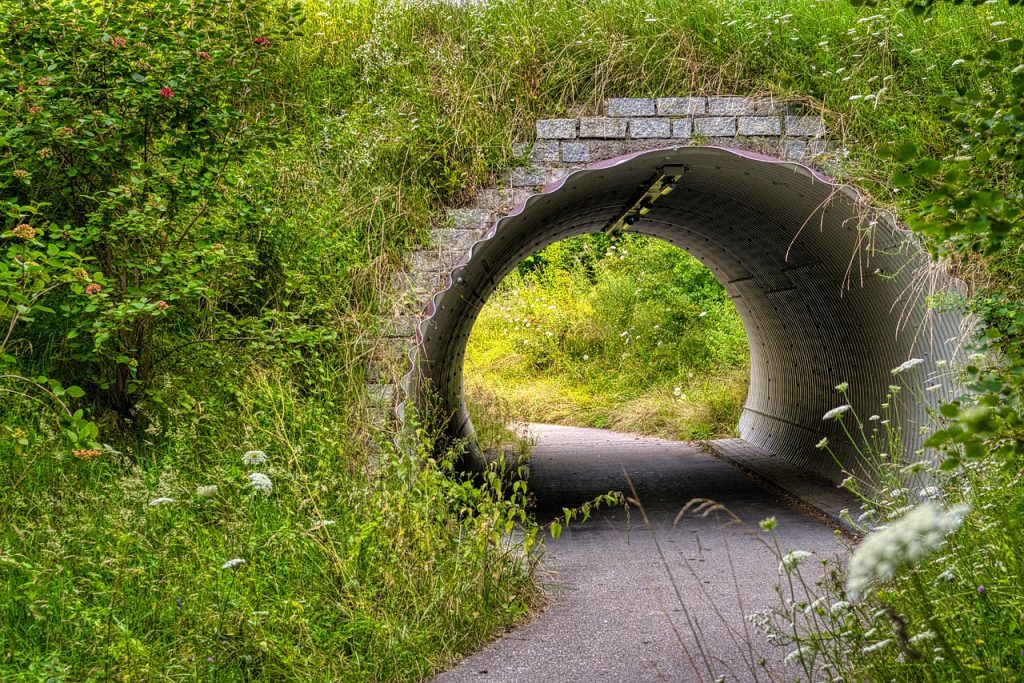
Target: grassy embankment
389 112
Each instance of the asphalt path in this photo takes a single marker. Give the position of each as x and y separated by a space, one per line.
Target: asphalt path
636 600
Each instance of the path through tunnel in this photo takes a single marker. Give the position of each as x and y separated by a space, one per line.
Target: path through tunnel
829 289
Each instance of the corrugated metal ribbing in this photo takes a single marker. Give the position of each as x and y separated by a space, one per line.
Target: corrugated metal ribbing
824 284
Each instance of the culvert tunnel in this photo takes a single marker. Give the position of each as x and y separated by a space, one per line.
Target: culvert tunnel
829 289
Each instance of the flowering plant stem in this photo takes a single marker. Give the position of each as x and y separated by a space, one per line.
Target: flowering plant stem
933 622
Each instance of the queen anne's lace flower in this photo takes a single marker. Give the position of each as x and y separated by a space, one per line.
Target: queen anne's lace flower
835 412
160 501
254 458
875 647
231 564
798 656
839 607
207 491
791 559
902 544
261 482
907 365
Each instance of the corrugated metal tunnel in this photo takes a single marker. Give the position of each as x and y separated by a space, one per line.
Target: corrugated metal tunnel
829 290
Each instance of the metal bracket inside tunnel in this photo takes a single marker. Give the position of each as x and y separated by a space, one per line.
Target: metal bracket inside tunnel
664 181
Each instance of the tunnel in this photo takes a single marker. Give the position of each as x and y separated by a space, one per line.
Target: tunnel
830 290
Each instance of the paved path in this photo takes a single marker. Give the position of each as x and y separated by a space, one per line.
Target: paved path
630 602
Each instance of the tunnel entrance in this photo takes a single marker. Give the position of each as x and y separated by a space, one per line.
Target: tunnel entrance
628 333
829 289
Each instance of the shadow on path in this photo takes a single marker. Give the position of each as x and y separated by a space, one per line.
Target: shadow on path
630 602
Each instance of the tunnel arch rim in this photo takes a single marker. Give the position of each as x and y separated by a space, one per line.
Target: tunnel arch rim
411 382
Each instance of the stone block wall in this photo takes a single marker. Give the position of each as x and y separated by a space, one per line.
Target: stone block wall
760 124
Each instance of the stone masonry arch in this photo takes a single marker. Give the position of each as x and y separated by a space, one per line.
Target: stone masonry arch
829 289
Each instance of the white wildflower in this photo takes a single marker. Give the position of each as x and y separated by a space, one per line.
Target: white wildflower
791 559
815 605
907 365
902 544
947 575
231 564
839 607
156 502
835 412
261 482
254 458
958 62
822 443
206 491
880 645
842 386
798 656
874 418
923 635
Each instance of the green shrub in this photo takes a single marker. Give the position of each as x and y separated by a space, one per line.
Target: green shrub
126 129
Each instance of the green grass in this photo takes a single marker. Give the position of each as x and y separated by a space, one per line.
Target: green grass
634 335
393 111
359 564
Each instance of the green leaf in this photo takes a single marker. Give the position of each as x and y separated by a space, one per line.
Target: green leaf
906 152
138 78
950 463
927 167
75 392
902 179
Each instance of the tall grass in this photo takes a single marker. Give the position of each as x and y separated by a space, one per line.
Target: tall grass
936 589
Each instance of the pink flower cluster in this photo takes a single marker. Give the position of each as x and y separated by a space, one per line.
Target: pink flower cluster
262 41
166 92
93 288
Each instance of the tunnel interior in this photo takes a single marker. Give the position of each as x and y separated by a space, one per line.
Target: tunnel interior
829 289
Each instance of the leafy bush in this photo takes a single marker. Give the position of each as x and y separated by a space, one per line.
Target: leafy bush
127 237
